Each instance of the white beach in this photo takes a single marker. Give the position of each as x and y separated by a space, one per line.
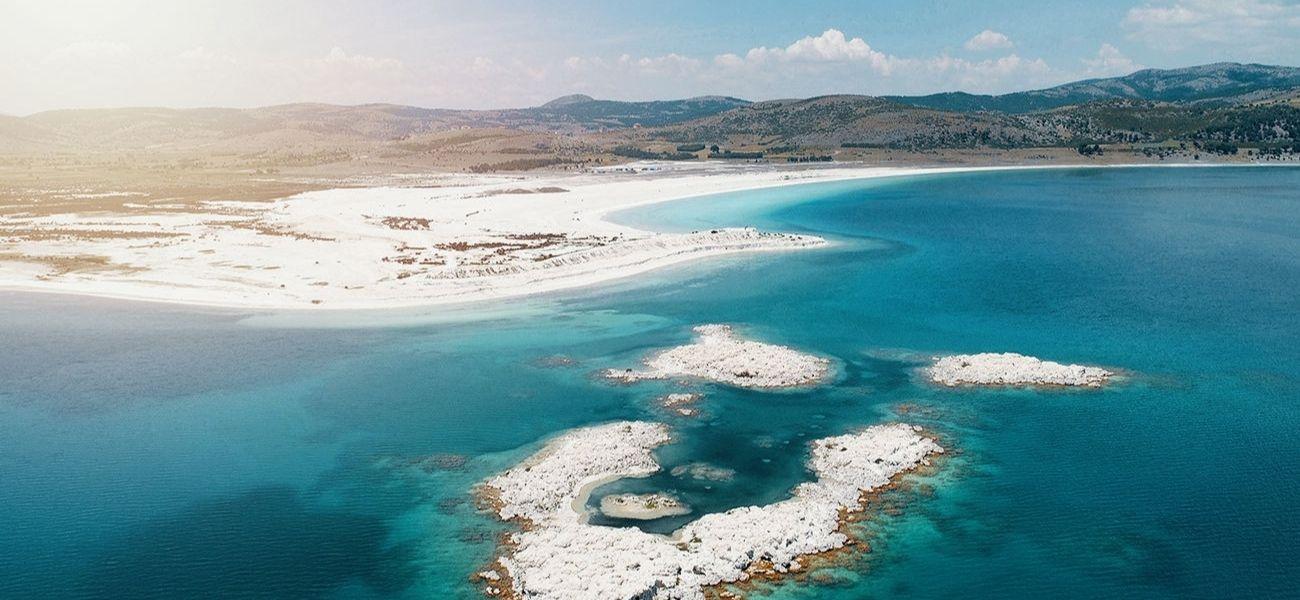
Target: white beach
457 238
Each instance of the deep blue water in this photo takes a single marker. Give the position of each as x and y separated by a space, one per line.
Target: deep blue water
158 452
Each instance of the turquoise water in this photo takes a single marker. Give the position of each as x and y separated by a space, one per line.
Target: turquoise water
159 452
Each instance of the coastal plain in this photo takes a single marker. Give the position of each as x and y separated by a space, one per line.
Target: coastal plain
401 241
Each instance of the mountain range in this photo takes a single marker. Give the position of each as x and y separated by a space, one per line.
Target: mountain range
1233 102
1216 83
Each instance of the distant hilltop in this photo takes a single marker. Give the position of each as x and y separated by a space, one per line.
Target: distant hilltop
567 100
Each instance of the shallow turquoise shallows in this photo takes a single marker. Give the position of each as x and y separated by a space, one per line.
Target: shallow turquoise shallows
149 451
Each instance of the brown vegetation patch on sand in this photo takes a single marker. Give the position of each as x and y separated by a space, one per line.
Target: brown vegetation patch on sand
37 234
459 246
406 223
547 237
530 241
137 183
64 264
297 235
520 164
263 228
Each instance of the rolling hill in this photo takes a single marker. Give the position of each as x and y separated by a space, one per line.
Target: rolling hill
168 129
1226 103
1228 83
834 121
590 113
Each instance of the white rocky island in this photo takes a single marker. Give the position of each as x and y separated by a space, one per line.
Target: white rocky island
642 507
558 555
681 404
718 354
1010 369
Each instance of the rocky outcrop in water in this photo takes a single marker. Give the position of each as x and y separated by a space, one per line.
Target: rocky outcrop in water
559 556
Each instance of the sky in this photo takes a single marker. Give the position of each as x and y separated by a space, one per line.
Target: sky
497 54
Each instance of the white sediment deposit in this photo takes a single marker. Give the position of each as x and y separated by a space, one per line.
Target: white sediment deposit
1009 369
718 354
681 404
643 507
703 472
561 556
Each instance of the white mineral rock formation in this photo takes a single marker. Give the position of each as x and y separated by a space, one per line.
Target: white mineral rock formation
681 404
548 484
643 507
561 556
1009 369
704 472
720 355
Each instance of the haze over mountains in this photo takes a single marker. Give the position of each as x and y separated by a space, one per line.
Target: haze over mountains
1223 101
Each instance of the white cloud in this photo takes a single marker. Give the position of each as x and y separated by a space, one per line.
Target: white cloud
728 61
338 76
830 62
1261 25
1110 62
358 63
989 75
988 40
832 46
1161 16
833 52
668 64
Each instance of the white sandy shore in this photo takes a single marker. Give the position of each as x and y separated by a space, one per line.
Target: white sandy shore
1010 369
560 556
722 356
466 238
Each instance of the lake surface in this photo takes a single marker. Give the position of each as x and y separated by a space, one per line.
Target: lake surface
149 451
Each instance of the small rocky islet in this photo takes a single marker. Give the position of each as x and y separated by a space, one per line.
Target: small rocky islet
720 355
1009 369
